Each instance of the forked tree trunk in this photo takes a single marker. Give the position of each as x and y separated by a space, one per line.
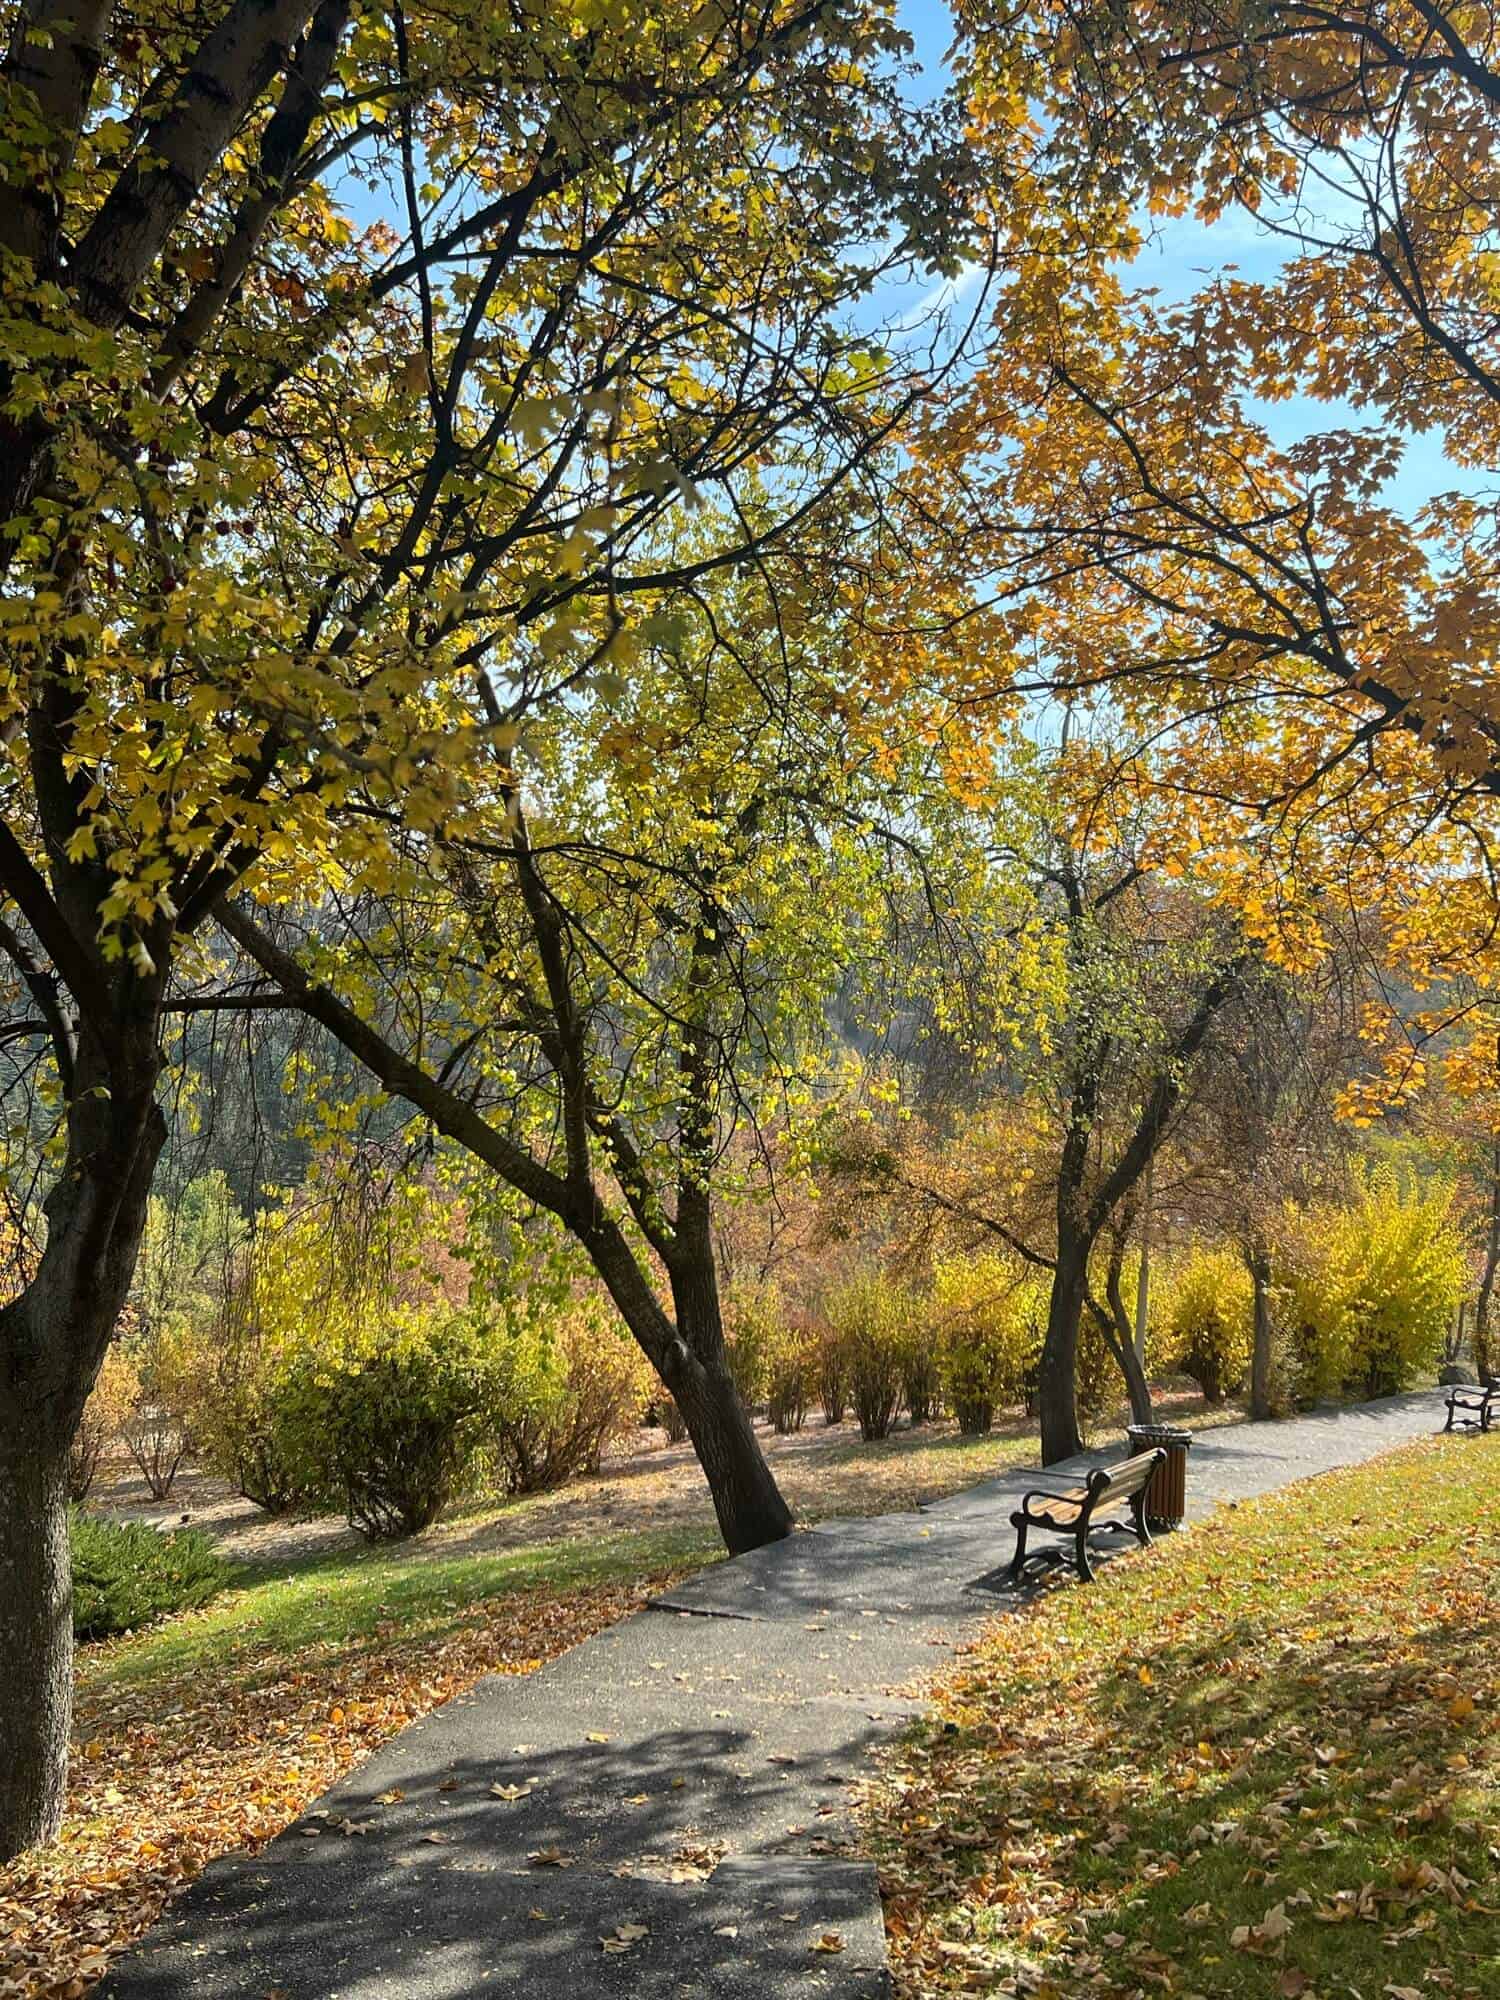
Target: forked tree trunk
1057 1378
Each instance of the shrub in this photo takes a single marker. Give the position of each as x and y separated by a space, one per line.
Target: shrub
1210 1322
250 1425
673 1422
170 1369
110 1401
754 1314
1374 1287
921 1371
791 1359
831 1357
125 1574
400 1418
188 1253
867 1312
563 1394
988 1340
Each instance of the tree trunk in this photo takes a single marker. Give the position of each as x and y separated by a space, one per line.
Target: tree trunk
1491 1266
53 1337
1057 1380
36 1628
1262 1403
1143 1276
1119 1336
747 1500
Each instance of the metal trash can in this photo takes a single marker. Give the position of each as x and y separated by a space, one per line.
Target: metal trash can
1166 1496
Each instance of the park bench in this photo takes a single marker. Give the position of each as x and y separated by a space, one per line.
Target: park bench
1075 1511
1473 1406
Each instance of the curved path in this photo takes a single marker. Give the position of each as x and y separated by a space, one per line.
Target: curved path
659 1812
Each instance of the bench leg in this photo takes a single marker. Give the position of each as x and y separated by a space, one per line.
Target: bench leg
1018 1561
1085 1567
1451 1414
1138 1513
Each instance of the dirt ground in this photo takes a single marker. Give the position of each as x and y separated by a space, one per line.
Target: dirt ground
648 1483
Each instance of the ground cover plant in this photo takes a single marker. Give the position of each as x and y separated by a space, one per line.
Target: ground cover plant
1259 1762
126 1574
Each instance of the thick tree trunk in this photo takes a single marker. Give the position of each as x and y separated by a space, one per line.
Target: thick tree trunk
747 1500
36 1626
1057 1380
1262 1401
52 1340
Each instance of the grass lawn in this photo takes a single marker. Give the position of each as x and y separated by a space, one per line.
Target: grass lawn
1260 1761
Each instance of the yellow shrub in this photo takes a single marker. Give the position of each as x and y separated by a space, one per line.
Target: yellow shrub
1210 1322
988 1334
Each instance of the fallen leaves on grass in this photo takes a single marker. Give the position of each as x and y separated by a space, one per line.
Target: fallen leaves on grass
165 1776
1262 1760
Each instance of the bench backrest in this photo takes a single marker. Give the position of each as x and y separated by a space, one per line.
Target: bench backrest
1119 1482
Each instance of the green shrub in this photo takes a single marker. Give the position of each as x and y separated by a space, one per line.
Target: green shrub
1374 1287
400 1420
867 1313
562 1394
126 1574
1210 1322
988 1340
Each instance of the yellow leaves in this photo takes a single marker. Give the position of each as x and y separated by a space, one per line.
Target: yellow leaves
623 1936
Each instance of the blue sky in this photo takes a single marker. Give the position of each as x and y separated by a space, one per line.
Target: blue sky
1181 253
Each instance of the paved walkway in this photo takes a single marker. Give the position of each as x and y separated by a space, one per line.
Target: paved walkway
674 1786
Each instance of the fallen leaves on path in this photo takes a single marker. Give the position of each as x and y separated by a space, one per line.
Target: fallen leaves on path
165 1777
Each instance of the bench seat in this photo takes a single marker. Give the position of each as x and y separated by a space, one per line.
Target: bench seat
1075 1511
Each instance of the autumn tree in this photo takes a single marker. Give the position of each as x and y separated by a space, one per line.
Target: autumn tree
1260 1130
1360 141
338 347
1108 997
610 976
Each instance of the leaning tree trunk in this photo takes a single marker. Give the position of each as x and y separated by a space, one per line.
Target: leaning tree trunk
1262 1397
1120 1336
747 1500
53 1337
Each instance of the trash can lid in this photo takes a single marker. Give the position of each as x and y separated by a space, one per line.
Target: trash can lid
1159 1434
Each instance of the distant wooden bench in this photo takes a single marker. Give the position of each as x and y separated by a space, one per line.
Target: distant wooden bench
1075 1511
1473 1406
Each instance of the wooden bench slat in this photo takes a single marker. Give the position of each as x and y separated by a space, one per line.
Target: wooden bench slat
1107 1487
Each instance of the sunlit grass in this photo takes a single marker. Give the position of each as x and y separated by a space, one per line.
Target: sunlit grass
1260 1760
